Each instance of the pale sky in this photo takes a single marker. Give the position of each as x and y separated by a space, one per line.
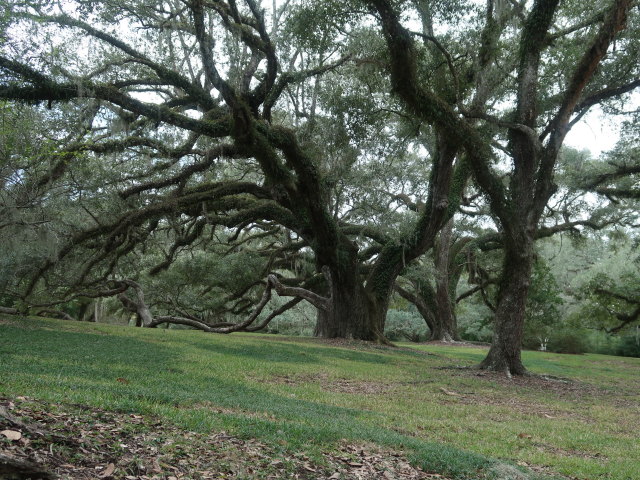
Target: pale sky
597 132
594 133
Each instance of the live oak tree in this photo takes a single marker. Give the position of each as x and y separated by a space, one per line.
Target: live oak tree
433 289
180 90
614 176
604 288
607 291
473 253
562 65
32 213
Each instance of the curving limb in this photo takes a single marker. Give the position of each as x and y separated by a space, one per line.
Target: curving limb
137 305
287 306
318 301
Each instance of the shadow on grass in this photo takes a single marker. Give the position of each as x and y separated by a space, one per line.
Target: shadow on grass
68 362
298 423
147 376
280 351
80 348
77 365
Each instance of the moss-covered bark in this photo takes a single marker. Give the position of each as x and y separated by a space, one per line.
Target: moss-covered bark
504 354
353 312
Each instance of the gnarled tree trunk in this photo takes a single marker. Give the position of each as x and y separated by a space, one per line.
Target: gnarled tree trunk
437 305
504 354
352 312
446 325
353 315
424 301
144 317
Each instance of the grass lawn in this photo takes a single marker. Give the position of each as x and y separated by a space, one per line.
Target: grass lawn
307 395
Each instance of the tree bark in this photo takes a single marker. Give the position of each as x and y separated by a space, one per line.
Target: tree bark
55 314
352 313
446 326
531 181
504 354
424 303
144 317
435 308
437 305
15 468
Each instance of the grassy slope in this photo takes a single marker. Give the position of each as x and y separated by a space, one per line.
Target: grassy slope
305 395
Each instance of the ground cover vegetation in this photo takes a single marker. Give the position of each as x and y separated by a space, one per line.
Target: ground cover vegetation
294 405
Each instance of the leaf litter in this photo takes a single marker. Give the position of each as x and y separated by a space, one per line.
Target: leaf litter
78 442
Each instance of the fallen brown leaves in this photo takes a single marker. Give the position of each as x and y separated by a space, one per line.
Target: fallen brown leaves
371 462
75 442
341 385
11 434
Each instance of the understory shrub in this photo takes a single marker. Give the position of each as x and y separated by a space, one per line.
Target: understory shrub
530 342
629 347
474 322
299 321
568 341
403 325
603 343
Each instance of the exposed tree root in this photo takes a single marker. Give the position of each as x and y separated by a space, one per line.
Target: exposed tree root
15 468
32 428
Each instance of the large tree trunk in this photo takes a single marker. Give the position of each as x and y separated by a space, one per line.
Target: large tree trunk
531 182
353 313
504 354
446 326
434 307
437 305
144 317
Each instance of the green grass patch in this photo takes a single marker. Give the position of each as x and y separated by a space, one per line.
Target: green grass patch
307 395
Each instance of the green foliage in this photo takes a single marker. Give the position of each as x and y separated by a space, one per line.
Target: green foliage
474 321
598 341
355 139
568 341
542 305
629 346
300 321
542 312
608 290
405 326
29 226
314 25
